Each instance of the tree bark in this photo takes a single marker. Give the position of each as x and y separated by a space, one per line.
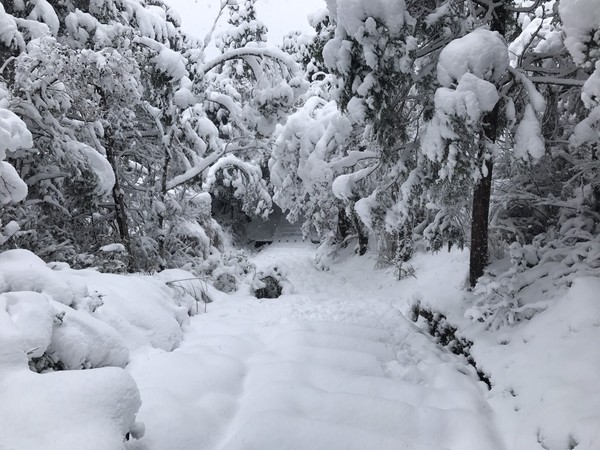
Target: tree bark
479 226
120 208
162 219
483 189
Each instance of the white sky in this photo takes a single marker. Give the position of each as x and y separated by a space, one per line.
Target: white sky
280 16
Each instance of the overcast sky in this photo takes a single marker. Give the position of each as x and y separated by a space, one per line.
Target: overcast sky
280 16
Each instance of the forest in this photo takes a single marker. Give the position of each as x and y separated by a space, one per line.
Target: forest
398 130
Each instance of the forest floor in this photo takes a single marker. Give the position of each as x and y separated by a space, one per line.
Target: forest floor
335 365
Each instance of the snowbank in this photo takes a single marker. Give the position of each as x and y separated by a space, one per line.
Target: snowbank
543 369
54 321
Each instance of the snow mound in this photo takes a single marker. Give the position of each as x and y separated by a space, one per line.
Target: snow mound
547 373
21 270
94 409
54 321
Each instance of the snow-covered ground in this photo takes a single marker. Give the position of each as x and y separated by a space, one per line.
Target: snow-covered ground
333 365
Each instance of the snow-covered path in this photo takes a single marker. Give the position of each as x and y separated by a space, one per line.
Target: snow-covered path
333 366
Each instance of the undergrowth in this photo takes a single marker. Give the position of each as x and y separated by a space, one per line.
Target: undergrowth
445 334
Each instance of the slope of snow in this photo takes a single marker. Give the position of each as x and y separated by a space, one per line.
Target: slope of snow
543 371
335 365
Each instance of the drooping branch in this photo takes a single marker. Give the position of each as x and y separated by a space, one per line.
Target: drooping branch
261 52
194 171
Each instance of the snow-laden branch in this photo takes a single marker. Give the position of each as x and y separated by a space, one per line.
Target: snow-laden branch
227 102
558 81
536 99
45 176
270 53
353 158
343 186
194 171
253 172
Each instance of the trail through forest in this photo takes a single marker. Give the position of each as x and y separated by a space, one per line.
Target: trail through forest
334 365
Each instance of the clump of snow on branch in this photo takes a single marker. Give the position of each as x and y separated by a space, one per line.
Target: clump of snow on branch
44 12
529 141
9 32
355 15
590 93
467 93
482 53
581 18
13 136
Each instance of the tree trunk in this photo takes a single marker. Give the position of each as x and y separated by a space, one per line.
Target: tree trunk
483 188
344 225
120 208
479 226
162 219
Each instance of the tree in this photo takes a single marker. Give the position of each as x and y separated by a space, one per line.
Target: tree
14 137
435 143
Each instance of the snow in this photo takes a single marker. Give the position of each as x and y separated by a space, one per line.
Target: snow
14 135
9 33
157 324
581 18
332 363
82 320
472 97
264 52
542 370
357 16
590 94
44 12
98 164
465 55
12 188
82 341
74 409
171 63
529 141
549 365
151 20
90 409
467 69
343 186
32 317
536 99
21 270
111 248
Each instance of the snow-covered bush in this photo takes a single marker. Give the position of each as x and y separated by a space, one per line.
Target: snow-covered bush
544 269
54 319
89 319
271 282
230 269
191 291
446 334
